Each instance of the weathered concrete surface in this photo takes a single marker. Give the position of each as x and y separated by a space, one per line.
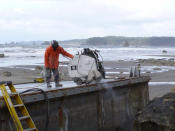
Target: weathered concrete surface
108 106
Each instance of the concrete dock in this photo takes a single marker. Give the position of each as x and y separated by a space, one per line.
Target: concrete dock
110 105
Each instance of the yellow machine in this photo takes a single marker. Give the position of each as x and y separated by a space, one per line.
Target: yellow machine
22 117
39 80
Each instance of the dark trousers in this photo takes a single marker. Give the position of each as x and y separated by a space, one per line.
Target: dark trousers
55 74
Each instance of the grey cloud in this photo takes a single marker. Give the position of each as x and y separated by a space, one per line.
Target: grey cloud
67 19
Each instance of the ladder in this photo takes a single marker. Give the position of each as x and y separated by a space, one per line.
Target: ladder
18 110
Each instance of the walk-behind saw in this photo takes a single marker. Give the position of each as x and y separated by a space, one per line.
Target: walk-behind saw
86 67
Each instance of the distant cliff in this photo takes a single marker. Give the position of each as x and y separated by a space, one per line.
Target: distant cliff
118 41
108 41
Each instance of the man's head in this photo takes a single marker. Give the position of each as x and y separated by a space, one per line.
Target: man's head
54 44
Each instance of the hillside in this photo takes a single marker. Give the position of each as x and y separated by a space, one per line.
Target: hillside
108 41
117 41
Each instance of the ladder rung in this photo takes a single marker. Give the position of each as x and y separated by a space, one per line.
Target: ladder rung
14 93
24 117
18 120
30 129
19 105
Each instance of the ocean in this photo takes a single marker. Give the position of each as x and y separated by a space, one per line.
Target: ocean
35 56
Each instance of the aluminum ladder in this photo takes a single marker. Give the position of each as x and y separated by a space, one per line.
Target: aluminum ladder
18 111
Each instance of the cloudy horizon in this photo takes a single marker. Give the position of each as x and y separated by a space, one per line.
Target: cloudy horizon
23 20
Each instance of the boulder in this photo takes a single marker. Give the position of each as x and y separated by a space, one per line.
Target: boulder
159 62
157 68
7 73
171 59
2 55
38 68
164 51
158 115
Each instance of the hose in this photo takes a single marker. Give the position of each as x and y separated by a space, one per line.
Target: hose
47 101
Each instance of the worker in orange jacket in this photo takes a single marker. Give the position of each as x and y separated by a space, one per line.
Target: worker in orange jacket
51 61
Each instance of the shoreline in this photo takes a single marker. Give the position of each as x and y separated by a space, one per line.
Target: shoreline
27 73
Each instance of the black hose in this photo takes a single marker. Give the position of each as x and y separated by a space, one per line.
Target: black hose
46 99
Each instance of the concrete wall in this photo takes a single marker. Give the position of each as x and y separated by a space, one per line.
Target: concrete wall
107 106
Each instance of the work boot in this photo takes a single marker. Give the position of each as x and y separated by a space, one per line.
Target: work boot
48 85
57 84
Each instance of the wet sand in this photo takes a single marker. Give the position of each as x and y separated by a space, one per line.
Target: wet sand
24 74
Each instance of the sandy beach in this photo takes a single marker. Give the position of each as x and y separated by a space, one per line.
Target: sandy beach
161 79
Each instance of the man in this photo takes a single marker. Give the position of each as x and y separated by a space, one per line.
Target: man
51 61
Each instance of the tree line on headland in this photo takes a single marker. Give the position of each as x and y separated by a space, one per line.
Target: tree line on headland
108 41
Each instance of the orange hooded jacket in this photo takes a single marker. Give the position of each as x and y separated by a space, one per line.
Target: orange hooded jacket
51 59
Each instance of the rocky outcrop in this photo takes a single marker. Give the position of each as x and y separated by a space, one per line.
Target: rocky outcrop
158 115
2 55
7 73
159 62
164 51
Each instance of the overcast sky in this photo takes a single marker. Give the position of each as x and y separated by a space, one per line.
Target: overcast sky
70 19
